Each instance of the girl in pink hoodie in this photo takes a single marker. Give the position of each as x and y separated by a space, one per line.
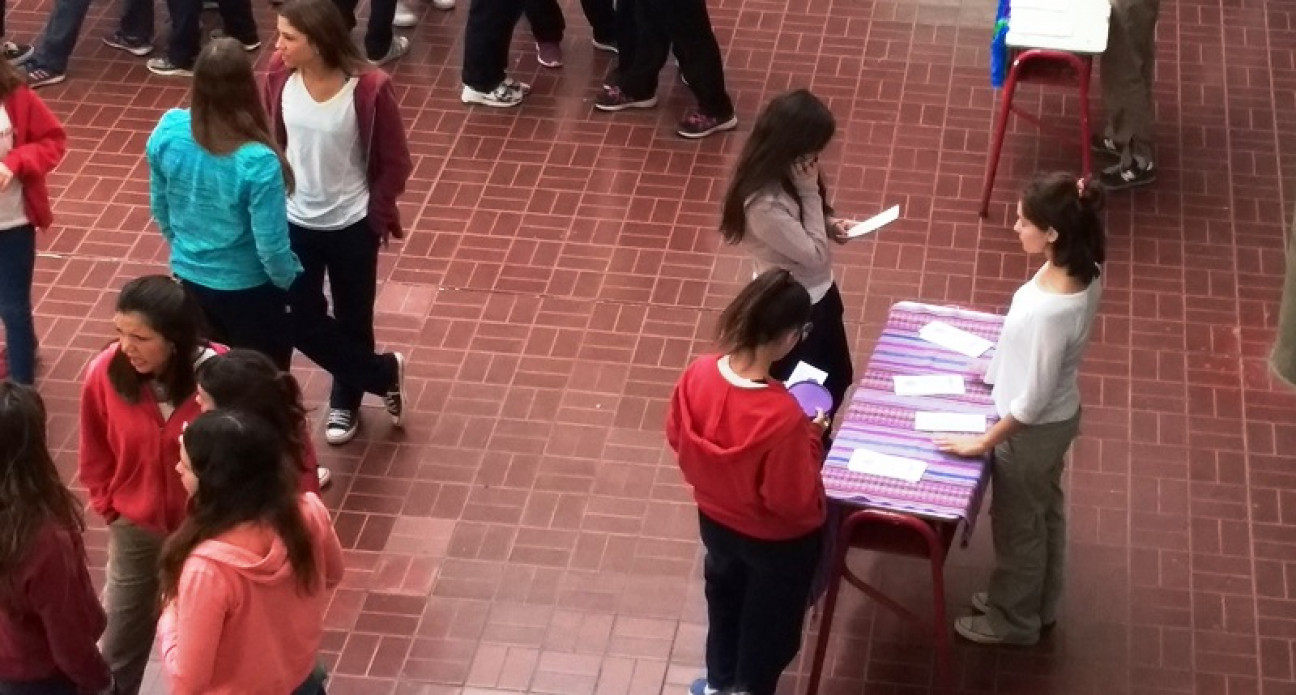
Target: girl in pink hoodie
246 578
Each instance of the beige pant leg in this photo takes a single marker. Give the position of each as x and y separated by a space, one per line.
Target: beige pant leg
131 601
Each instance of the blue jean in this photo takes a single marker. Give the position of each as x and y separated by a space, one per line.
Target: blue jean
64 26
17 261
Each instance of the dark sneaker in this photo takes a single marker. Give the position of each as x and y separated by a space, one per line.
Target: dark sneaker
613 99
699 125
164 67
342 426
399 46
247 46
549 54
1102 144
394 401
1118 178
605 46
133 46
42 77
700 687
17 53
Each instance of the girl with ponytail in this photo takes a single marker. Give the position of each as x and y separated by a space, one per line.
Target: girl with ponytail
753 459
1033 373
245 578
248 380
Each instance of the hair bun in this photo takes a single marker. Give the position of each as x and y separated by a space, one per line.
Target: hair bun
1090 193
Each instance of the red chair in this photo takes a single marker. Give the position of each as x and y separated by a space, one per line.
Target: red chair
1039 65
889 532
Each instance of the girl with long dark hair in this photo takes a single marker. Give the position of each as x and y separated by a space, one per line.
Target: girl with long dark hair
1035 391
777 209
338 121
50 617
218 187
248 380
137 398
245 579
753 459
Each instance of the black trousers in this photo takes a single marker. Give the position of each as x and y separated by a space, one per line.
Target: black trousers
681 26
341 344
378 35
757 592
826 347
486 41
51 686
547 22
253 318
186 27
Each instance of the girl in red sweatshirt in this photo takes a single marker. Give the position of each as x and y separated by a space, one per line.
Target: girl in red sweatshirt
245 579
753 459
32 143
49 615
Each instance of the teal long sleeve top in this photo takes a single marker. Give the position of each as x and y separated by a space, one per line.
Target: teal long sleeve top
225 217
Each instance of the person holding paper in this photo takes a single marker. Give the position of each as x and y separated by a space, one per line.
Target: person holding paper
777 209
1033 372
753 459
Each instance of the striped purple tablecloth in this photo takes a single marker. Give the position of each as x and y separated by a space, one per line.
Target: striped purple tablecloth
879 420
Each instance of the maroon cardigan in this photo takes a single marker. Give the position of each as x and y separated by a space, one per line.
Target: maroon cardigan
382 134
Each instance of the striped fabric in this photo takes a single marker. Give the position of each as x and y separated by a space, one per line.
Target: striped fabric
879 420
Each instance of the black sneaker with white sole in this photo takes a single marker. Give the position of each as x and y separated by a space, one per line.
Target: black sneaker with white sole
342 426
1101 144
130 44
394 401
1118 177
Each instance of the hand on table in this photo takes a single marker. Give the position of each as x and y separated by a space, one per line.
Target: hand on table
967 447
837 231
979 367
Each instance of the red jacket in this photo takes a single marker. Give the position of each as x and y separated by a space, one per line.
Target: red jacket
752 457
39 145
50 627
382 135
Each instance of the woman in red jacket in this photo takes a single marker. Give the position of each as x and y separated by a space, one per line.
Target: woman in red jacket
137 398
338 122
247 380
32 143
753 459
49 615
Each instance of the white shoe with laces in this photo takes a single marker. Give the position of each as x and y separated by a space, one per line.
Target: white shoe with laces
404 17
506 94
443 4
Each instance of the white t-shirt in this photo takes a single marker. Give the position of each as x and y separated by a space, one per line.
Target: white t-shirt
1035 364
328 163
12 213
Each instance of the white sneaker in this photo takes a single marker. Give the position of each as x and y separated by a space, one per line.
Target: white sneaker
342 426
404 17
325 477
507 94
443 4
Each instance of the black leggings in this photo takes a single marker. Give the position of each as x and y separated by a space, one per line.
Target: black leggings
825 348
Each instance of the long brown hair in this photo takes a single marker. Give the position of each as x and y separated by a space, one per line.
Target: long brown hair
173 312
10 79
767 309
248 380
31 492
238 460
225 106
321 22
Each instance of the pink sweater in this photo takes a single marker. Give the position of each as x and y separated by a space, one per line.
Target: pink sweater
239 624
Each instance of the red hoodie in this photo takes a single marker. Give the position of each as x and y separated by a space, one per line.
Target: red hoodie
39 144
50 625
752 457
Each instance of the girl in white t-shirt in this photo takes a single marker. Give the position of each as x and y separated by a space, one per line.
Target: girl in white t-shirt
1035 392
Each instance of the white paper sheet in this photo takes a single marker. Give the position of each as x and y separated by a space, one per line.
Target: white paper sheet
805 372
875 222
955 339
930 385
949 422
883 465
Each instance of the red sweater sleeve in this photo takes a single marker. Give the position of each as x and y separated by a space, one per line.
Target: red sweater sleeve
791 482
58 589
45 142
392 162
95 462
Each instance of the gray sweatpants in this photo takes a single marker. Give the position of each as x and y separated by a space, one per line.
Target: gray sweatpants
1028 523
1128 68
131 601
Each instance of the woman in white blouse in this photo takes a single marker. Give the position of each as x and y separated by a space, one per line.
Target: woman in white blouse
1035 392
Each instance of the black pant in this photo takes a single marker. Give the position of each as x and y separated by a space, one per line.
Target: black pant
341 344
682 26
486 41
186 27
826 347
757 592
378 35
547 22
253 318
51 686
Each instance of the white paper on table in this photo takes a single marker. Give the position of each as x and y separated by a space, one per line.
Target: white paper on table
883 465
806 372
875 222
949 422
930 385
955 339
